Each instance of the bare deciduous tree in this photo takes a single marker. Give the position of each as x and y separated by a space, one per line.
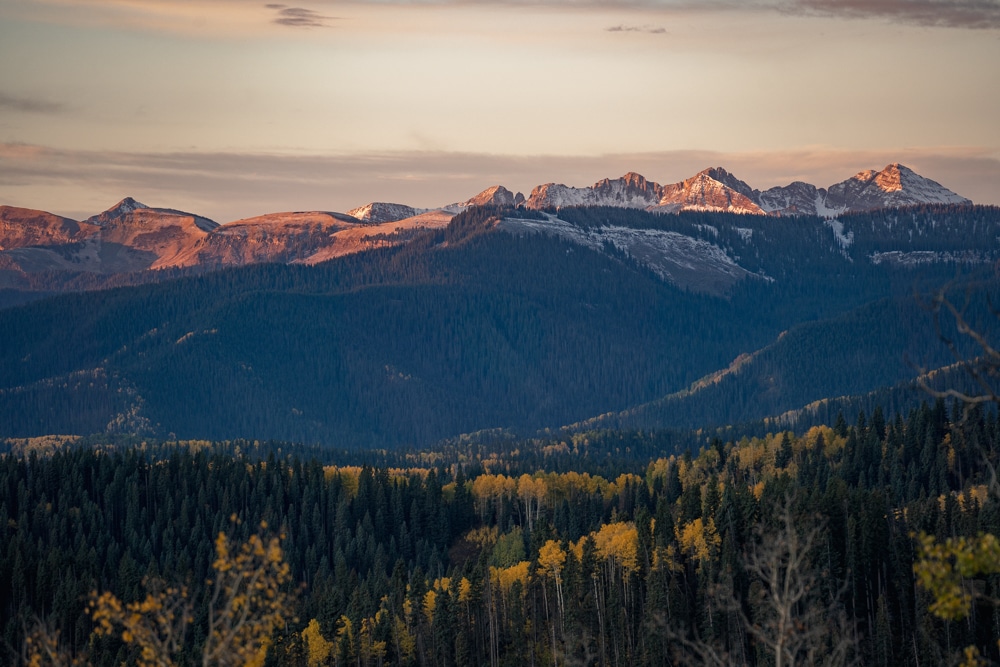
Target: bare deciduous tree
793 623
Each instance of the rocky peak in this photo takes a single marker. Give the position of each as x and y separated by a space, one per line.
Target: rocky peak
630 191
891 178
119 210
379 212
796 198
727 179
497 195
710 190
632 188
895 185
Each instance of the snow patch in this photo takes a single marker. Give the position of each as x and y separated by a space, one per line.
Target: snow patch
919 257
824 211
685 261
845 240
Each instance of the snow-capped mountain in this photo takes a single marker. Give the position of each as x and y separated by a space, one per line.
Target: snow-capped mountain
718 190
896 185
119 210
710 190
131 236
630 191
496 195
796 198
379 212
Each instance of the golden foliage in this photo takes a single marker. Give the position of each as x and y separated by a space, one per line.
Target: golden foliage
505 577
942 568
318 648
485 536
618 542
43 445
464 590
406 644
371 650
551 559
42 649
155 625
430 601
246 604
699 539
658 470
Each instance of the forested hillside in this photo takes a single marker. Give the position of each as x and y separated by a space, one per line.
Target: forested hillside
467 558
473 327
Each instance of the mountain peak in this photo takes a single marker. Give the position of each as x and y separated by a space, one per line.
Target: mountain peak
894 185
891 178
730 181
379 212
496 195
713 189
122 208
130 204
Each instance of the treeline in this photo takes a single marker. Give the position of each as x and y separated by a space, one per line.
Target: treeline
462 560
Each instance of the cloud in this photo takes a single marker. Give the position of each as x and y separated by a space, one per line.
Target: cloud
976 14
298 17
200 16
230 186
30 104
652 30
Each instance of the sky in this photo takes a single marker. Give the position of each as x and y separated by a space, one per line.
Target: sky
235 108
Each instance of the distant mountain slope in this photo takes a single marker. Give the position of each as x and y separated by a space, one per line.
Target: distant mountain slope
489 323
23 227
395 347
877 346
131 236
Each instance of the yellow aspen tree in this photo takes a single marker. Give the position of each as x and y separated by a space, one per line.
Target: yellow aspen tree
318 648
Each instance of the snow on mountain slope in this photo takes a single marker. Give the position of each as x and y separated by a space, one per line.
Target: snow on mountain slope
630 191
379 212
895 185
716 189
796 198
131 236
685 261
711 190
496 195
124 207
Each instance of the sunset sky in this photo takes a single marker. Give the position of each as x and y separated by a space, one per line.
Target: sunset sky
232 108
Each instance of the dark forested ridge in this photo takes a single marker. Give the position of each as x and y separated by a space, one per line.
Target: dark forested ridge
472 328
465 557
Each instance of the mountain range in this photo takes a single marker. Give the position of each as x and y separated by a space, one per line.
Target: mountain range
502 317
133 237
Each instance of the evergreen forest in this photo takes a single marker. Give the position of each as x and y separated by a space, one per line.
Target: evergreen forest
598 548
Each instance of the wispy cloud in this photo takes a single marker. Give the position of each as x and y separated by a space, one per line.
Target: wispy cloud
228 186
650 29
30 104
222 15
976 14
298 17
